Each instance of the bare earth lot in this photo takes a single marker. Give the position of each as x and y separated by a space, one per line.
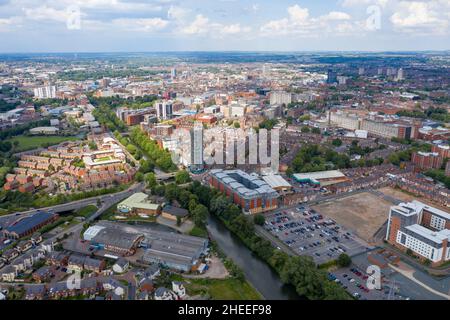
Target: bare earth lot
364 213
400 195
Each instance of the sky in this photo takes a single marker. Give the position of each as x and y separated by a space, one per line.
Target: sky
223 25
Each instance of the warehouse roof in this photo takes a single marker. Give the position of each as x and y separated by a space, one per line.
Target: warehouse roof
330 174
138 200
24 224
276 181
91 232
117 238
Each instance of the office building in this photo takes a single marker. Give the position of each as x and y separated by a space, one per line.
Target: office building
331 77
164 109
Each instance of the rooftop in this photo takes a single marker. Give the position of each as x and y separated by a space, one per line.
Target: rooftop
138 200
248 185
179 212
330 174
22 225
434 236
276 181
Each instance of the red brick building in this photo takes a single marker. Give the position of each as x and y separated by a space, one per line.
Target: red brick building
427 160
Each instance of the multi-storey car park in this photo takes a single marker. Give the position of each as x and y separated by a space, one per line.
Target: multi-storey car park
422 229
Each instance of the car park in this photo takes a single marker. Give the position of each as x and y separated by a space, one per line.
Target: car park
312 233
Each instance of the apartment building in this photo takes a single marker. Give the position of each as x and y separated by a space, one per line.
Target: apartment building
248 191
422 229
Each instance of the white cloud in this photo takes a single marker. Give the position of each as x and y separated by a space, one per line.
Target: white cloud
6 24
198 26
45 13
299 22
234 29
147 25
354 3
203 26
177 13
420 16
336 15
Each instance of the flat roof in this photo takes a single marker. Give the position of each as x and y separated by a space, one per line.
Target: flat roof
276 181
139 201
116 237
434 236
246 184
179 212
330 174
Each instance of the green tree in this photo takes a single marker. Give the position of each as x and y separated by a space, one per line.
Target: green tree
182 177
337 142
200 214
259 219
150 179
344 260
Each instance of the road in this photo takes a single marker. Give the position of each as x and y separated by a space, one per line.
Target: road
410 275
109 198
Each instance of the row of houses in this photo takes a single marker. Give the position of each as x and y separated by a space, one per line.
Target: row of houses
109 287
12 264
61 164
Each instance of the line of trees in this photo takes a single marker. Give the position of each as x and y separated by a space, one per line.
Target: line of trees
156 156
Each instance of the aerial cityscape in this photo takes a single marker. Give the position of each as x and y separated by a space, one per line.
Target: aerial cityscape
193 172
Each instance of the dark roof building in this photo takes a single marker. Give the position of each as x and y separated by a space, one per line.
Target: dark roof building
28 225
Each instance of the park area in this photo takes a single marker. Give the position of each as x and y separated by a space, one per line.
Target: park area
33 142
364 213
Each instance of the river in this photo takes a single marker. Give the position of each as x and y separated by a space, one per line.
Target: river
257 272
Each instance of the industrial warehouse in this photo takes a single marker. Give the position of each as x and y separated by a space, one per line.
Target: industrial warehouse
247 190
322 178
175 251
113 239
28 225
169 249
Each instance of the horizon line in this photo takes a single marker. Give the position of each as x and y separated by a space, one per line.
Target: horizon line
230 51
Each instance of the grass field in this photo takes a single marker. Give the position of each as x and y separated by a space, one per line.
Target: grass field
222 289
34 142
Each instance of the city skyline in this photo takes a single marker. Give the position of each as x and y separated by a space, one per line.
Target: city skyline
227 25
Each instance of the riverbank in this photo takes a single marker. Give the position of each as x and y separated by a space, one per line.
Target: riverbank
256 271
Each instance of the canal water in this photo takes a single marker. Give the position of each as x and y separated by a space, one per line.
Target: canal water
257 272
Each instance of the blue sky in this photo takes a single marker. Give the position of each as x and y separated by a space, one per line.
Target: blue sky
249 25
